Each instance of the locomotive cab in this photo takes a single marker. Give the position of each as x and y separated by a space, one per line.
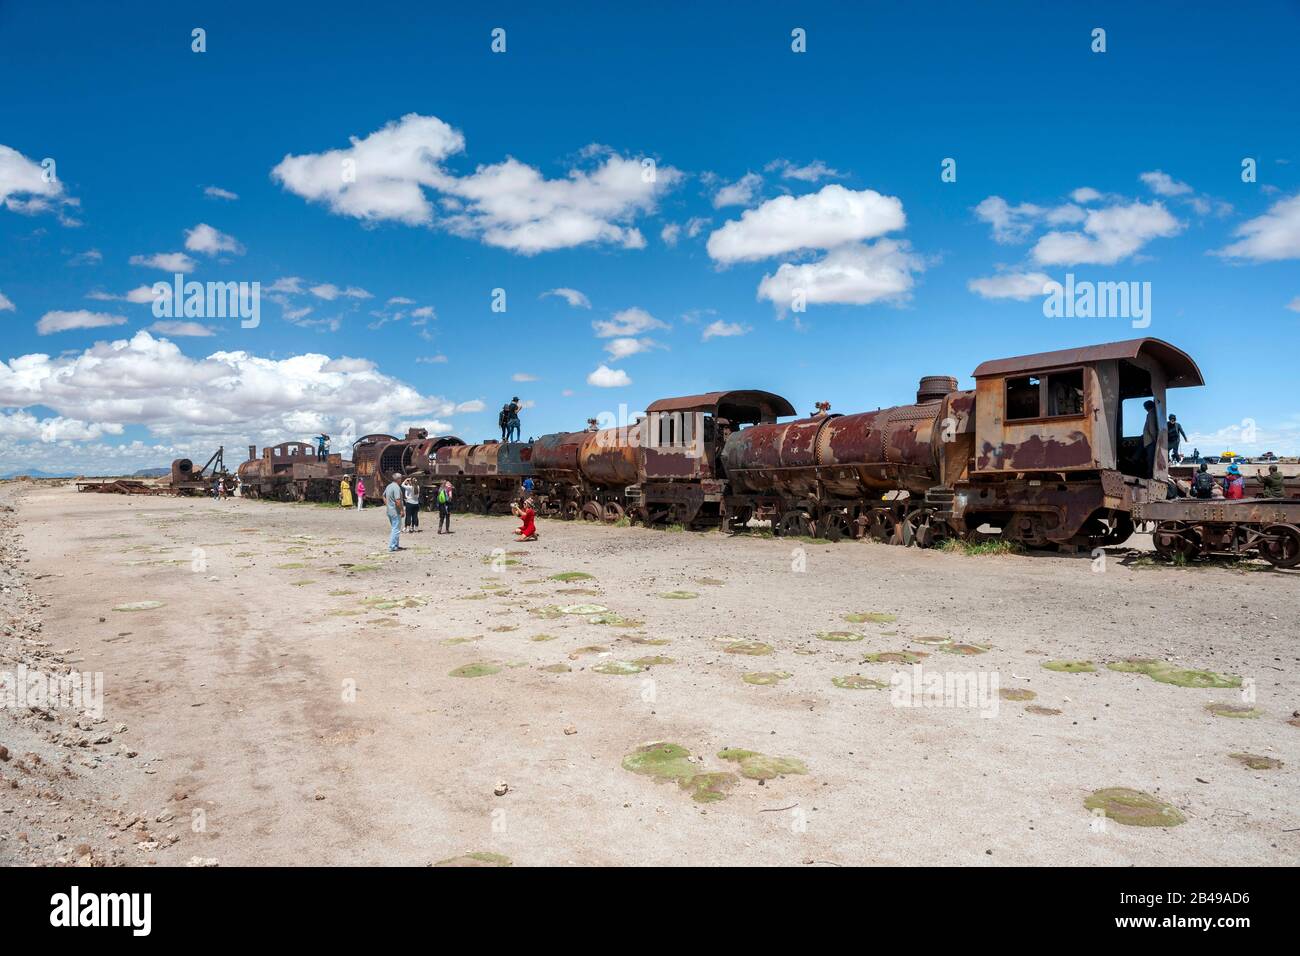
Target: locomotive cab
1059 449
680 449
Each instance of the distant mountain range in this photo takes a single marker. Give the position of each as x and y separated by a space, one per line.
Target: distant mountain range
37 473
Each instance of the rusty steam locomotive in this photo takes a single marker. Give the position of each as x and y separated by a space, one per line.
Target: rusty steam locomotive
1046 451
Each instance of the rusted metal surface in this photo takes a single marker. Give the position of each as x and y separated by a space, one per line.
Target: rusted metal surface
737 405
609 458
555 456
120 486
1180 368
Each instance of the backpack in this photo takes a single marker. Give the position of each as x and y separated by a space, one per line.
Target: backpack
444 496
504 417
1203 484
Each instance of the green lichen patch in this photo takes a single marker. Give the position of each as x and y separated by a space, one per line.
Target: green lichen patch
588 651
858 682
543 637
870 617
1167 673
653 660
504 628
964 649
838 636
292 566
710 582
1016 693
765 678
139 606
894 657
393 603
347 612
556 668
454 641
572 576
360 568
757 766
648 641
1256 761
1134 808
548 613
709 787
580 592
1070 667
661 760
679 595
475 670
749 648
1041 711
476 859
619 668
301 584
584 609
613 620
245 554
497 560
1243 711
341 593
932 640
471 597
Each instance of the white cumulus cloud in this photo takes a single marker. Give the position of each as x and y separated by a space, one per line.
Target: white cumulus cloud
1268 238
166 261
1108 235
856 274
606 377
209 241
52 322
721 329
1020 286
830 217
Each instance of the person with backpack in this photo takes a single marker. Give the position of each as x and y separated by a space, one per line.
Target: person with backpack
1203 483
1175 435
1234 484
444 508
512 420
503 421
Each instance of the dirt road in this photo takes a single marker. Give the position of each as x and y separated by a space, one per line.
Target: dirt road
296 697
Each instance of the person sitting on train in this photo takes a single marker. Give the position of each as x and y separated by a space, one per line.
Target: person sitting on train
1203 484
1234 485
1273 486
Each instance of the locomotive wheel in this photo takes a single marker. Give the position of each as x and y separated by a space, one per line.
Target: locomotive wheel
1173 538
592 511
880 525
796 523
1283 548
639 515
834 526
570 511
613 512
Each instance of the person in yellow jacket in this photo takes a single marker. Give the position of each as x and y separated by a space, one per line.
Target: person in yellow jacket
345 493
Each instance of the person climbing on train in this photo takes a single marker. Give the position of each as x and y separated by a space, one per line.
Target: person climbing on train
444 508
1273 486
527 520
345 492
1203 483
393 508
1234 484
411 496
1176 435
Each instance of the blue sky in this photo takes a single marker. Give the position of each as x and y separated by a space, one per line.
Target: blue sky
774 171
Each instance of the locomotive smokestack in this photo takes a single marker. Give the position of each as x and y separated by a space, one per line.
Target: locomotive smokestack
935 387
252 452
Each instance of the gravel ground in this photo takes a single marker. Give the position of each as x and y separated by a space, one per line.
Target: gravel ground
294 698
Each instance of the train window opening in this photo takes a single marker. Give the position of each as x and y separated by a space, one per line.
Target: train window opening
1023 397
1065 393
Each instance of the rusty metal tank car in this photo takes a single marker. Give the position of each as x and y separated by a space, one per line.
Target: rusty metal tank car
487 477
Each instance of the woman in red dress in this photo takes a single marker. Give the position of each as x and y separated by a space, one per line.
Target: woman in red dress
528 523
